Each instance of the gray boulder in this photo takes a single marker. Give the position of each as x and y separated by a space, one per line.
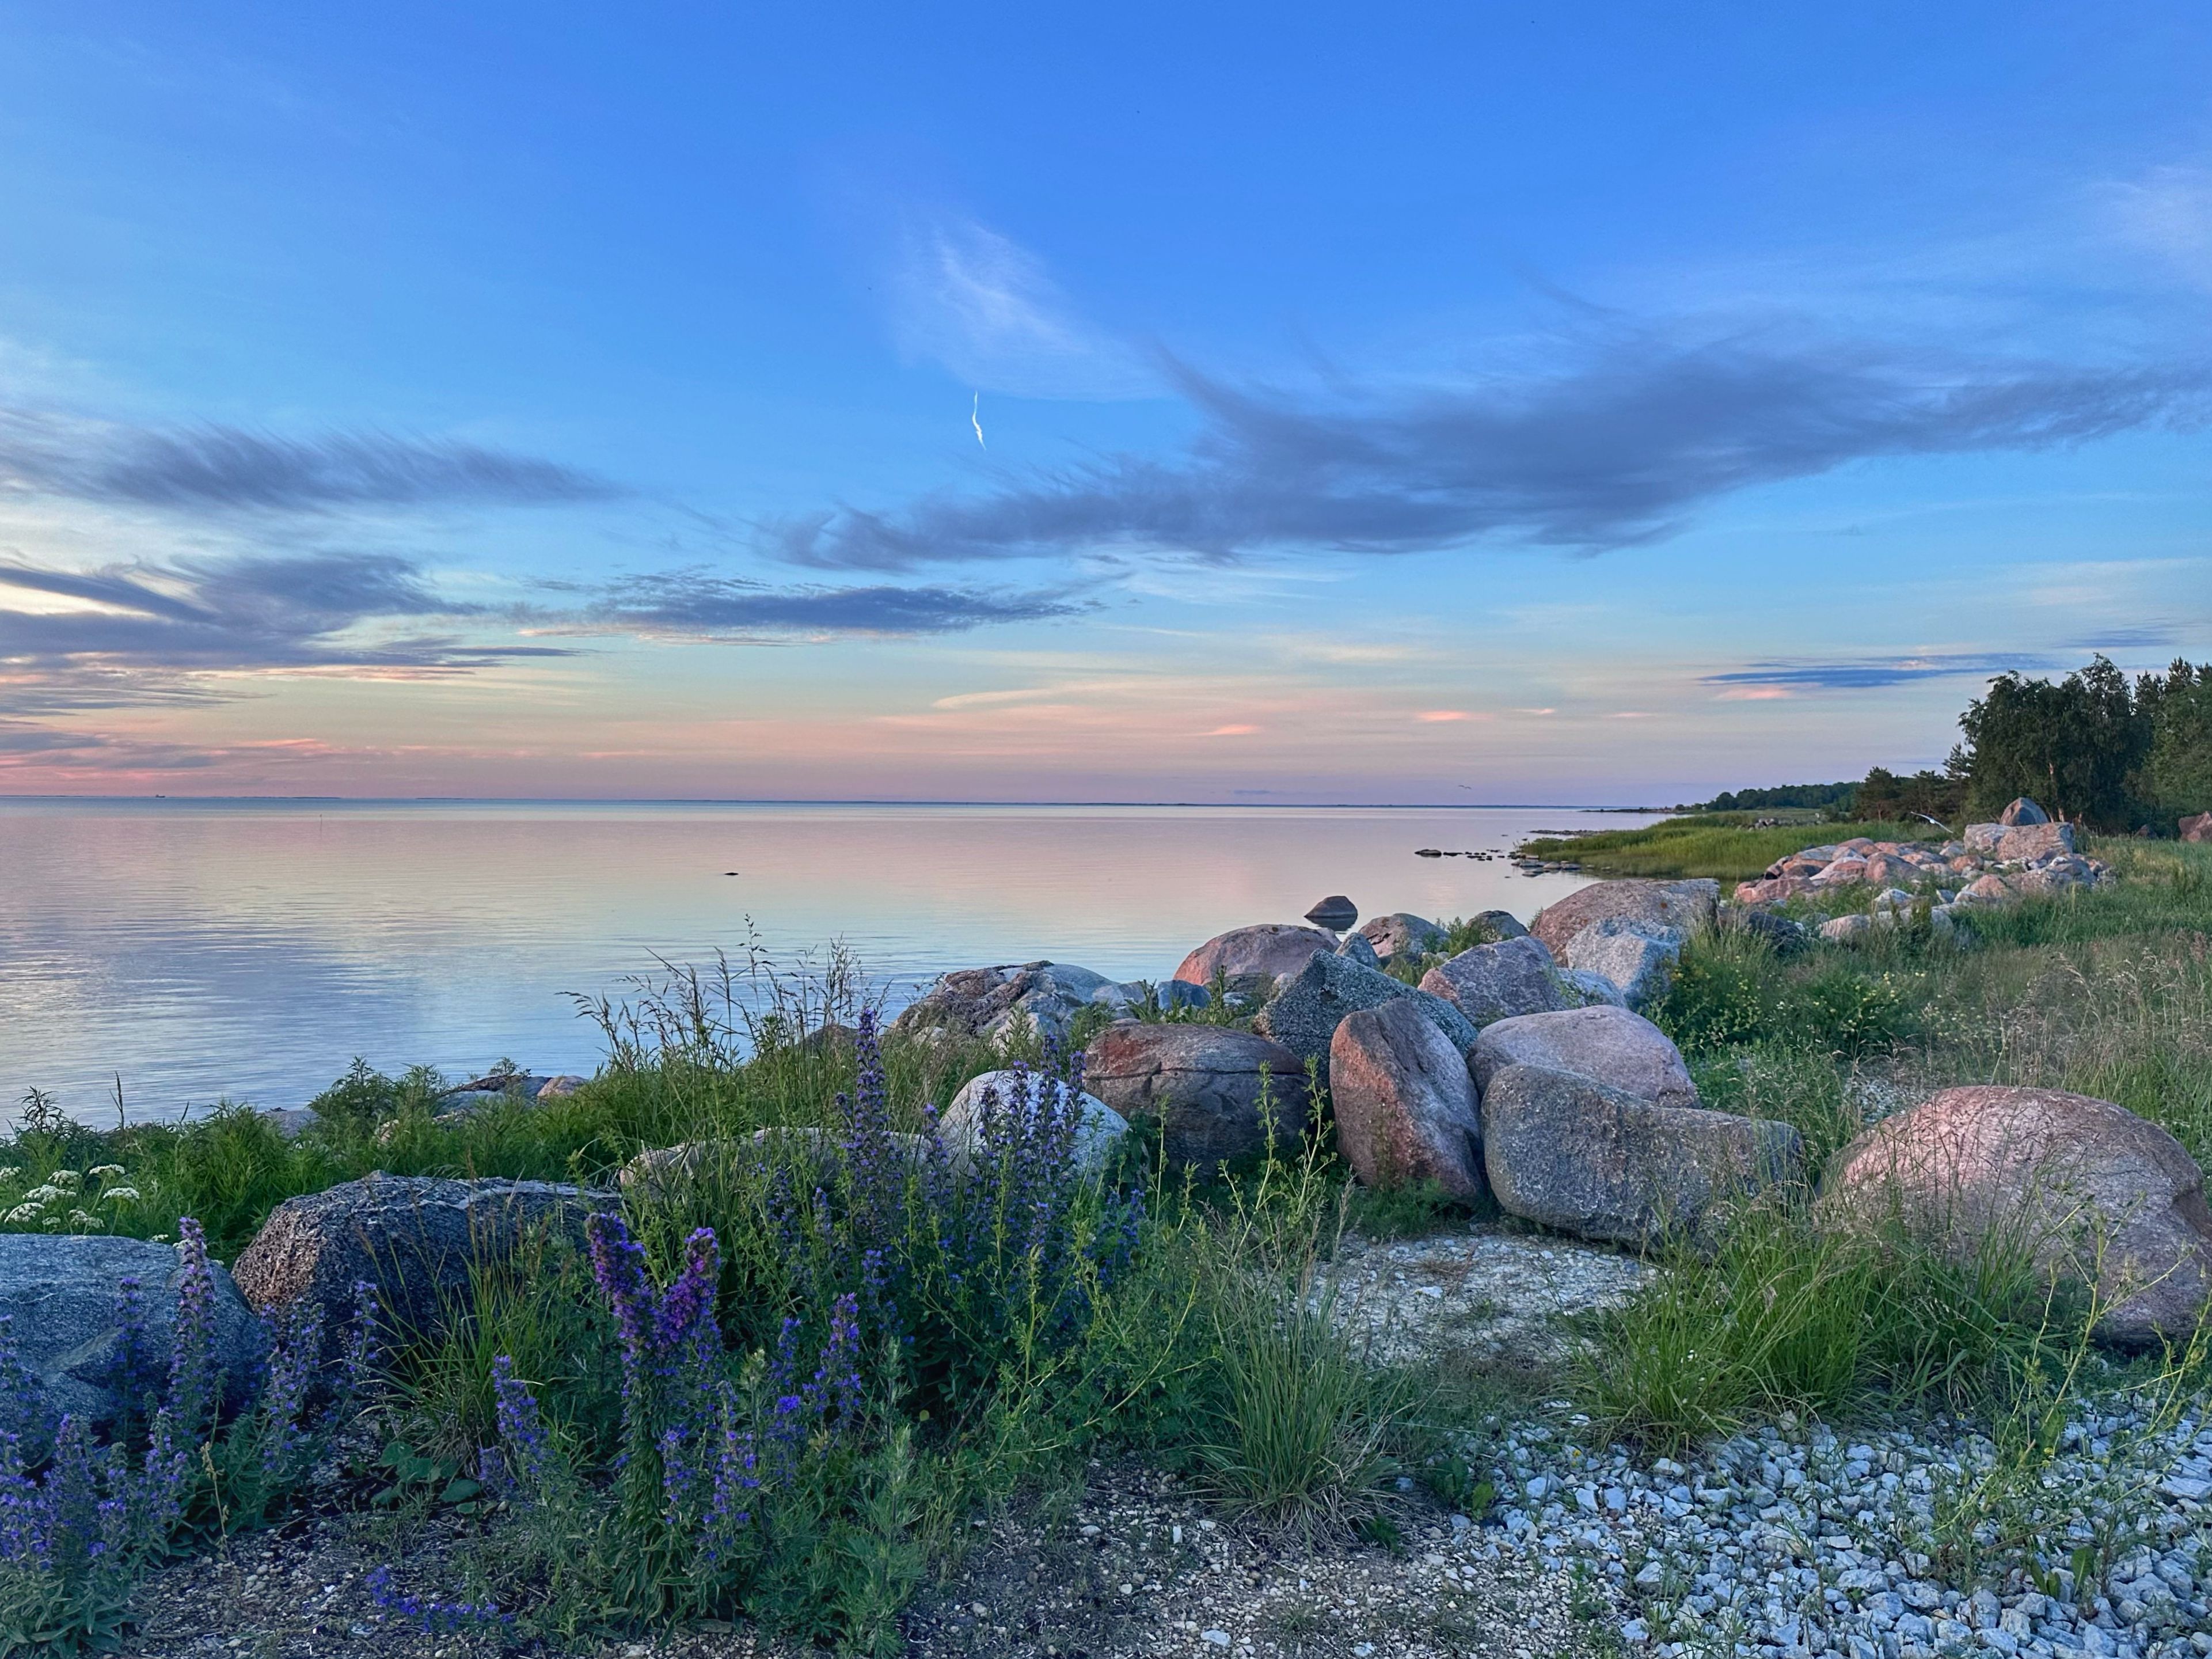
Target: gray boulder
1491 982
1126 996
1982 837
1336 913
1402 934
1571 1153
59 1293
1842 930
1635 955
1612 1046
1003 1004
1099 1129
1305 1013
1253 958
1355 948
1500 925
413 1236
1588 989
1785 936
2023 810
2035 840
1686 906
1404 1104
1212 1088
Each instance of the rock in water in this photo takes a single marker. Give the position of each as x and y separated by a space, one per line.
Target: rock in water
2097 1194
60 1292
1404 1104
1612 1046
1401 935
1336 913
1306 1011
1491 982
1636 956
1098 1130
1686 906
1571 1153
2023 810
1268 951
412 1236
1206 1086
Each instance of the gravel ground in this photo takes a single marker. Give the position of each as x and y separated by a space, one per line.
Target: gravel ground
1786 1544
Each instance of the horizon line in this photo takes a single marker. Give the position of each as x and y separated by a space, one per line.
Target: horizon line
736 801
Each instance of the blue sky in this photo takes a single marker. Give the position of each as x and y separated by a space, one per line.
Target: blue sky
1420 404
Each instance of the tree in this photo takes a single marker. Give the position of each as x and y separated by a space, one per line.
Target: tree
2178 779
2078 746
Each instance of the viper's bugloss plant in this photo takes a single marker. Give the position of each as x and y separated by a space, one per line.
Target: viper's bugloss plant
82 1517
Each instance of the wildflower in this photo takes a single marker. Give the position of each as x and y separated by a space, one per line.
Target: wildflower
83 1219
105 1170
21 1213
120 1195
45 1193
431 1614
521 1430
65 1180
191 1363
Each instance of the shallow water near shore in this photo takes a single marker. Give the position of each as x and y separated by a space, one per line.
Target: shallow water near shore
248 950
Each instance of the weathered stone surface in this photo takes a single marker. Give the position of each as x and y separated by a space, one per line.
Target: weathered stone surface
1203 1083
58 1292
2035 840
1571 1153
2023 810
1983 838
1842 930
1774 889
1497 926
1003 1004
2099 1195
1336 913
1268 952
1098 1132
1784 935
1496 981
1404 1104
1168 993
2198 828
2054 876
1588 989
1636 956
1686 905
1887 870
1842 873
1306 1011
1986 890
1607 1045
1355 948
1401 933
412 1236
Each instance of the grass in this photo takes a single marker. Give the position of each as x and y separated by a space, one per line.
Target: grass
1722 845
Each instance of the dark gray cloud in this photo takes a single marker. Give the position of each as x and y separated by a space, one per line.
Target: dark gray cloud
1860 673
1618 449
697 603
214 466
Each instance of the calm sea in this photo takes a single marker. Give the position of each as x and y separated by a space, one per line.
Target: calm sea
248 950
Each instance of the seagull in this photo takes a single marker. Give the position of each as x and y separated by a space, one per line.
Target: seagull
975 419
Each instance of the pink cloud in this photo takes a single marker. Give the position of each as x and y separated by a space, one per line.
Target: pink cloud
1754 694
1231 732
1437 716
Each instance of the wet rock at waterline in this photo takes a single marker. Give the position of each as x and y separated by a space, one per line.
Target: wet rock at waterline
1206 1086
60 1292
1568 1152
1336 913
1404 1103
2095 1194
1612 1046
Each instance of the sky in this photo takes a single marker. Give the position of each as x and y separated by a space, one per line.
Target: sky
1598 404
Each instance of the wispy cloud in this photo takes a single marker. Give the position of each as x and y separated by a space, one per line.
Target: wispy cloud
1620 447
1861 673
698 603
985 308
226 467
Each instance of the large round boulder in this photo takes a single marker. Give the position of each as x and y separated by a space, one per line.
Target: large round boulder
1401 933
1268 951
1404 1104
60 1294
1635 956
1570 1153
2023 810
1491 983
1099 1128
2029 842
1206 1086
1305 1010
1686 906
2099 1195
1622 1050
415 1238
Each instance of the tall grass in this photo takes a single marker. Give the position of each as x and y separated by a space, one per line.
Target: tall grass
1722 847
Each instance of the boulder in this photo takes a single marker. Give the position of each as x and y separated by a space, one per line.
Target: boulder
1268 952
2097 1194
1784 935
2055 877
1496 981
1772 891
1336 913
1983 838
1306 1010
1355 948
1099 1129
2035 840
1404 1104
1888 870
1496 925
1842 873
412 1236
2198 828
1568 1152
1587 989
1167 995
1842 930
1683 905
58 1292
1401 935
1986 890
1895 898
2022 811
1203 1083
1607 1045
1002 1004
1638 957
